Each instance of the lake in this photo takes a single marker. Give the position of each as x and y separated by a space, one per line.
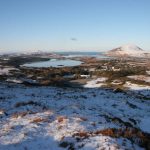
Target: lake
54 63
68 62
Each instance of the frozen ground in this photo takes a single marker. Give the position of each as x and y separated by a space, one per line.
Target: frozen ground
139 90
49 118
140 77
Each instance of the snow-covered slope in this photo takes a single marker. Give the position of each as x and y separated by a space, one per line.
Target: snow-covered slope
128 50
50 118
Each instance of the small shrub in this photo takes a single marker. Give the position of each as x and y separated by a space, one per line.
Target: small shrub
61 119
38 120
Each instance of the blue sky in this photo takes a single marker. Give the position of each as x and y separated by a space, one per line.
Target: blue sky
73 24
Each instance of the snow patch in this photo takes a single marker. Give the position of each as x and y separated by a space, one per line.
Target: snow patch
138 87
6 70
95 83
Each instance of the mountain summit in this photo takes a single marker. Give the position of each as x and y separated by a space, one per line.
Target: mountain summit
130 47
128 50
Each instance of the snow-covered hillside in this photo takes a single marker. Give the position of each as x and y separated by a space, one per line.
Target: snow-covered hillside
128 50
49 118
